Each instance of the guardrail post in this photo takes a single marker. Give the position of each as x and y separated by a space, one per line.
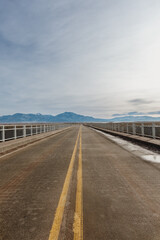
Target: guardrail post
119 127
44 129
142 129
24 131
133 129
31 131
153 130
122 128
15 132
36 129
3 133
127 127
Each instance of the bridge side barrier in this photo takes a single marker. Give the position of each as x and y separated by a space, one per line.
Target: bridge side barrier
144 129
10 132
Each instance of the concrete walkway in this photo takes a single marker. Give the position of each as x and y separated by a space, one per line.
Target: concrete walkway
21 142
154 143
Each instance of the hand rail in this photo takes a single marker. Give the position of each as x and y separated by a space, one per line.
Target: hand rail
15 131
144 129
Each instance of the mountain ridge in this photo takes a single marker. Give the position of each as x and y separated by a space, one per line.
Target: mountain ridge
68 117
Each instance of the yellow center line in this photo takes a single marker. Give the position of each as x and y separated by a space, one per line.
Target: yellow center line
54 233
78 217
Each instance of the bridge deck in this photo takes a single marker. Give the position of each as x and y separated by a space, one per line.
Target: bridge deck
78 182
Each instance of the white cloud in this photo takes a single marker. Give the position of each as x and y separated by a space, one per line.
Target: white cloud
91 56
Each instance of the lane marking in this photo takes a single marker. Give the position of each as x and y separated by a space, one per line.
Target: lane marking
54 233
78 217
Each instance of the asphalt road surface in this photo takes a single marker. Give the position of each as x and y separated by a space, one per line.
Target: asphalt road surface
78 185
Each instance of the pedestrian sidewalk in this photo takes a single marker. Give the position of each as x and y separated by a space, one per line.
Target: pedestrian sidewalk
135 138
12 145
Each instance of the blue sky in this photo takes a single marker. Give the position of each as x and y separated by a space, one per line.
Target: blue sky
91 57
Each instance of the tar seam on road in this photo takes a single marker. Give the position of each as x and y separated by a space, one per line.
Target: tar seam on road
78 217
54 233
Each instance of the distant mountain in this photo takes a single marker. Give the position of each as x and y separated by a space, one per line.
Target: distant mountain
134 119
69 117
63 117
73 117
20 117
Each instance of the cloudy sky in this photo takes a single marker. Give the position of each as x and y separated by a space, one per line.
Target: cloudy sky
97 58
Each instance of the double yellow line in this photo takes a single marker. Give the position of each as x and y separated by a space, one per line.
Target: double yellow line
78 218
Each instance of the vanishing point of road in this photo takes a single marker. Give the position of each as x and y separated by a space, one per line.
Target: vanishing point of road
78 185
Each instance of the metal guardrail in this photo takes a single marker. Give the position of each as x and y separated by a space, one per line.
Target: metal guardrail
145 129
10 132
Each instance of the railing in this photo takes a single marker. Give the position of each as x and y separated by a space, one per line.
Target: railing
10 132
145 129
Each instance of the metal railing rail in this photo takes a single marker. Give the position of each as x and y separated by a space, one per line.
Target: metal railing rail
144 129
10 132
